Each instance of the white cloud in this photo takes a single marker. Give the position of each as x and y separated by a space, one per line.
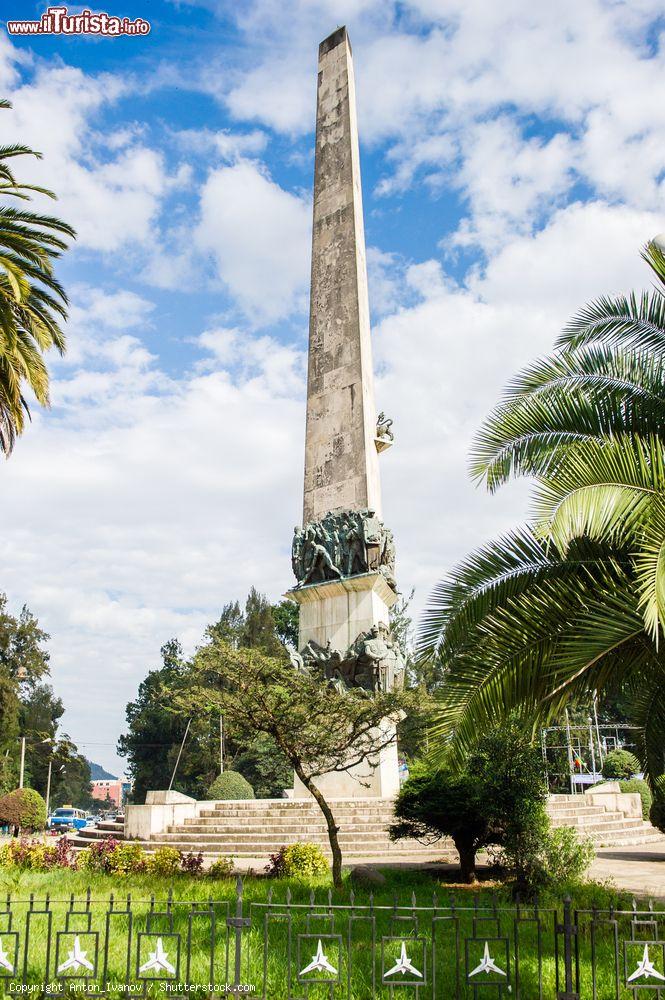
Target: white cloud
433 75
110 186
167 497
444 363
259 236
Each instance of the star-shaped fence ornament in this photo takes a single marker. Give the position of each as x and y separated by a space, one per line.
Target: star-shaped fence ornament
4 959
76 959
403 965
158 960
319 963
645 969
486 964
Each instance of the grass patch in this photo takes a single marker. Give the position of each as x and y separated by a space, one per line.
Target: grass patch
432 914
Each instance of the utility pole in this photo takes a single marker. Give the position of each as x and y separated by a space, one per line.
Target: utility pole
179 755
22 772
48 786
221 743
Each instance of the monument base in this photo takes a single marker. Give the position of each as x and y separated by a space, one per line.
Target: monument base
339 610
377 777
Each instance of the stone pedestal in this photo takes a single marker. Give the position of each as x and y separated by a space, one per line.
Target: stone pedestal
338 611
376 778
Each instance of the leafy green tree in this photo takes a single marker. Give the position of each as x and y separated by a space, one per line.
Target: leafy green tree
156 728
263 764
32 301
72 786
157 720
286 618
573 602
318 728
23 662
444 802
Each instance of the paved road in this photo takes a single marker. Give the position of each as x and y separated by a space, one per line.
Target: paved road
640 870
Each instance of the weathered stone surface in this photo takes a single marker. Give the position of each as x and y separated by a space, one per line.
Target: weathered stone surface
341 462
365 875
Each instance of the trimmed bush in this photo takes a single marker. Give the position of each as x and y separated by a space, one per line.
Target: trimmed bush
620 764
641 787
230 785
23 808
299 861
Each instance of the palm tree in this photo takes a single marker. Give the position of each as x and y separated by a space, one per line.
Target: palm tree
32 301
575 601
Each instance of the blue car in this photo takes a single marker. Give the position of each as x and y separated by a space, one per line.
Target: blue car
67 818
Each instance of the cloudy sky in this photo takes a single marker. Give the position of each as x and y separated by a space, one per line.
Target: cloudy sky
512 159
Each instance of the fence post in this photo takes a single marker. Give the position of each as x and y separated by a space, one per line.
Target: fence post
569 930
238 922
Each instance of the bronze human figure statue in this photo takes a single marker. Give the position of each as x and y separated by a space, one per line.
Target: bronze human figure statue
343 544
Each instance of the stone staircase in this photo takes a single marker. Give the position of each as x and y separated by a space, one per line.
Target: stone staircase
256 828
606 827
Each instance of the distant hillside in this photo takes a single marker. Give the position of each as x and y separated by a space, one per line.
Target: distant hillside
97 772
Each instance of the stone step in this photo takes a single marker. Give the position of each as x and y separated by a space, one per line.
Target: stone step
589 825
566 810
291 827
269 840
290 813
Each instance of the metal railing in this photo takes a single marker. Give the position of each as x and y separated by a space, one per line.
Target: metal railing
321 947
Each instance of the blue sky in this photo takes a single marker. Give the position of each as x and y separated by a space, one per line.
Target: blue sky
512 167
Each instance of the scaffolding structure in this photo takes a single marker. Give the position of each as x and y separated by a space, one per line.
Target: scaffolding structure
573 754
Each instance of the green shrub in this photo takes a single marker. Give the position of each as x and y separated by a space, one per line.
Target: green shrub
127 859
299 861
566 857
23 808
221 868
620 764
165 861
33 855
230 785
84 860
97 857
497 798
643 790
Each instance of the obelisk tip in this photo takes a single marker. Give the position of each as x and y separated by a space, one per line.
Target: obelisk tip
332 41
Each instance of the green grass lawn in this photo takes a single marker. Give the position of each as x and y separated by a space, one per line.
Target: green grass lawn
287 919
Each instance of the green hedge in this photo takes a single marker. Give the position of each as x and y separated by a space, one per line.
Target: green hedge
637 785
24 808
230 785
620 764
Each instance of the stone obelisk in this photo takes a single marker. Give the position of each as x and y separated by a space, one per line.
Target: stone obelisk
343 556
341 461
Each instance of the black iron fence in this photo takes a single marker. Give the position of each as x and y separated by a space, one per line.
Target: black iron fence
277 948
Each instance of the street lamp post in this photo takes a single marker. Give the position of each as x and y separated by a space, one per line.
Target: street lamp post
22 770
